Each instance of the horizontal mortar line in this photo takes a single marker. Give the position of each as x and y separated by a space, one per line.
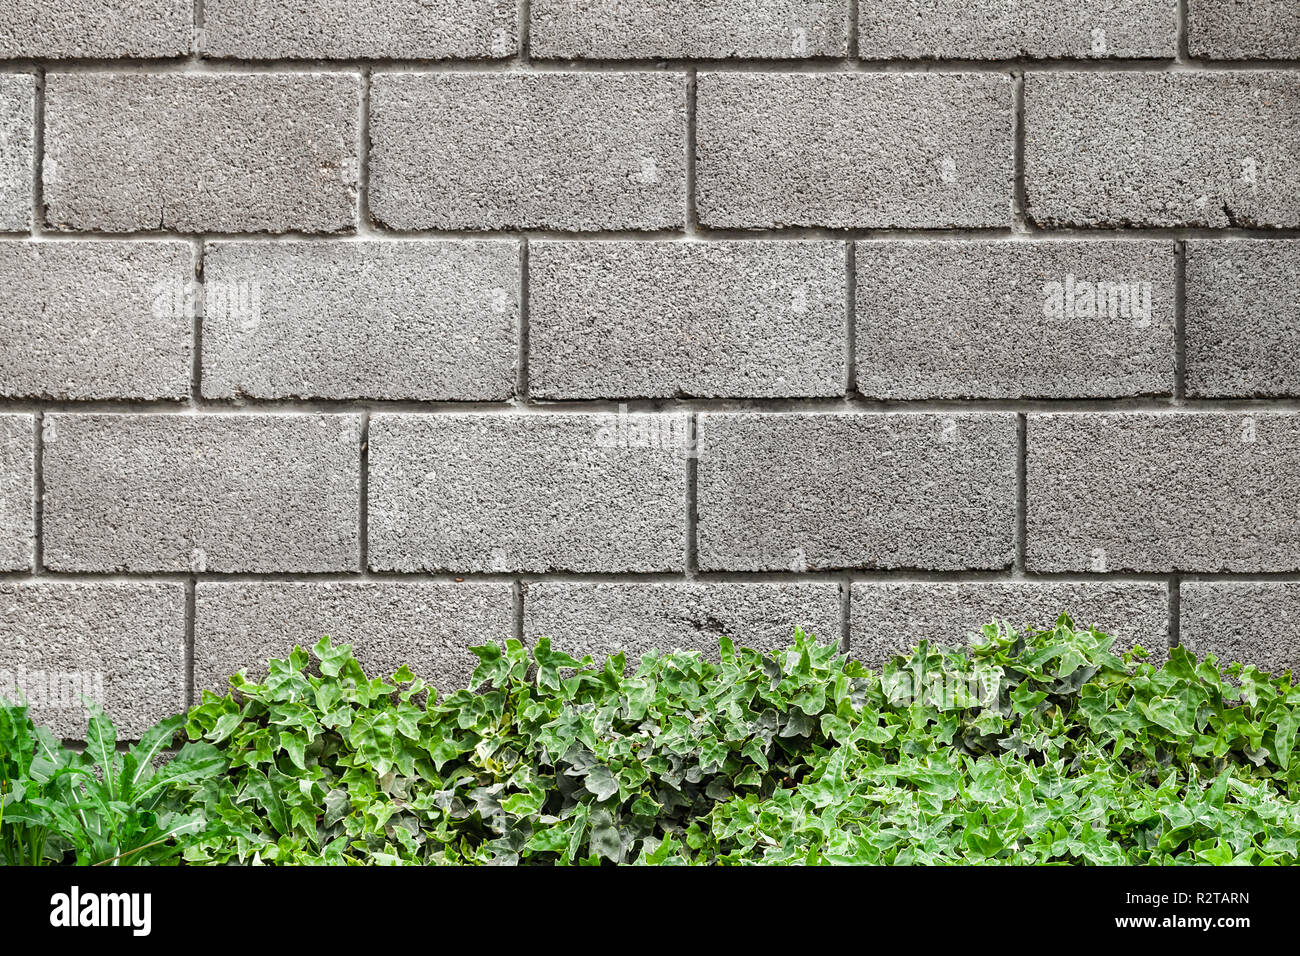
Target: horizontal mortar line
828 576
212 65
375 233
1035 233
830 406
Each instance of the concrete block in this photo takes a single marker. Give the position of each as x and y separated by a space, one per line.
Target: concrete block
1009 319
813 492
213 152
701 319
119 645
224 493
1182 149
1164 491
416 320
854 150
568 151
427 627
511 492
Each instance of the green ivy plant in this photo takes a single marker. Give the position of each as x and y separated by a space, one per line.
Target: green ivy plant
1073 755
1029 747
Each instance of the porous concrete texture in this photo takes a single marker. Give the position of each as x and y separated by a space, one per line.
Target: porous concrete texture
888 618
17 150
428 627
421 320
570 151
1243 622
119 645
998 30
429 323
1243 318
602 619
1012 319
17 491
215 152
509 492
360 29
96 320
62 29
1192 149
1164 491
202 493
1244 29
800 492
700 29
845 150
664 319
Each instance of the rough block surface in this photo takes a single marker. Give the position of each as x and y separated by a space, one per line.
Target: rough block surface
63 29
997 30
122 645
702 29
428 627
1237 30
570 151
803 492
17 491
358 29
889 618
921 150
1243 622
419 320
217 152
96 320
1164 491
510 492
1212 149
603 619
1243 318
665 319
17 151
224 493
1009 319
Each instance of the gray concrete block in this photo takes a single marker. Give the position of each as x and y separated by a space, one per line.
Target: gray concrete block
997 30
701 29
1243 622
1243 318
888 618
602 619
427 627
96 320
181 492
571 151
1009 319
17 150
215 152
809 492
923 150
1237 30
361 29
514 492
1193 149
1164 491
17 491
418 320
121 646
62 29
665 319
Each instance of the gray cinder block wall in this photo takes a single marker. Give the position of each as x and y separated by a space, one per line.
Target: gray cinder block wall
429 322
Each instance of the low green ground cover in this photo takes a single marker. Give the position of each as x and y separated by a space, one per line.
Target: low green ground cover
1024 748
